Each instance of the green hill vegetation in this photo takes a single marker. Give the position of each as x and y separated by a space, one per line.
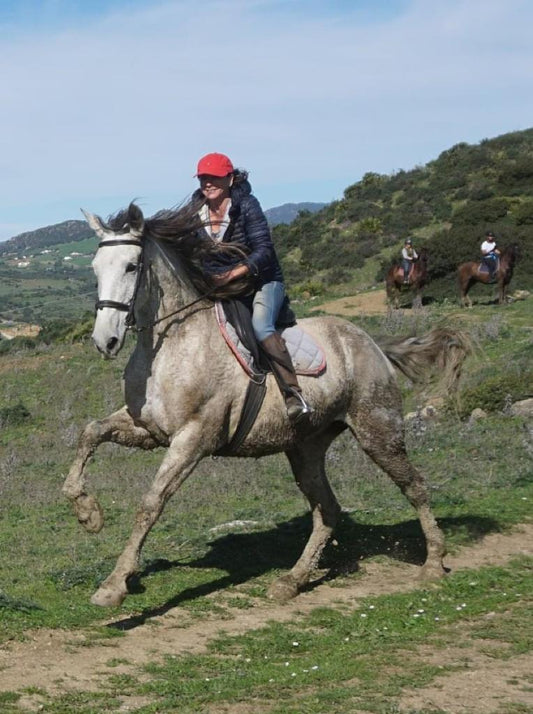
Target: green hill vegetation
446 206
347 246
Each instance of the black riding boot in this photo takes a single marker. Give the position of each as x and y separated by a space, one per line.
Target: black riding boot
283 369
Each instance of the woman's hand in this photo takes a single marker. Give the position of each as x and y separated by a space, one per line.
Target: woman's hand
223 278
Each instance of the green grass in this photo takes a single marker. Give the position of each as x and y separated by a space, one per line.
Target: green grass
335 659
480 477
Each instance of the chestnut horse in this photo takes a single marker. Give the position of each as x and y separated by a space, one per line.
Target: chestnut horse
418 278
184 390
477 272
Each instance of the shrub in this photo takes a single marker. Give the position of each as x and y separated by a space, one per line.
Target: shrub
523 215
478 212
66 330
495 392
336 276
13 416
17 343
308 288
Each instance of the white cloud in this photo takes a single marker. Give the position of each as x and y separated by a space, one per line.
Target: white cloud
122 106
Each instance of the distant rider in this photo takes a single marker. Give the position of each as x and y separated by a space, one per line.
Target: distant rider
490 254
409 256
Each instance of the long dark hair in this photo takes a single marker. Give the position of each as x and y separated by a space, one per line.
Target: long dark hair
180 230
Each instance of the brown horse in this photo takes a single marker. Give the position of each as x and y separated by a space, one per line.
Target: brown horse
476 272
418 278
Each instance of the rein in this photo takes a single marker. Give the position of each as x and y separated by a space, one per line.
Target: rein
129 307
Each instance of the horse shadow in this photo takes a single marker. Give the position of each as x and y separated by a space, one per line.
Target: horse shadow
245 556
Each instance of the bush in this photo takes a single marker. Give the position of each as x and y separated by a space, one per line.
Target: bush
335 276
494 393
13 416
523 215
66 330
17 343
478 212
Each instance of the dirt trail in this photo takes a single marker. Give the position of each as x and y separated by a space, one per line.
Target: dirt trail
57 660
371 303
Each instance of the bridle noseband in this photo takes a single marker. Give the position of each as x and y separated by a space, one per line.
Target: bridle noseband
123 306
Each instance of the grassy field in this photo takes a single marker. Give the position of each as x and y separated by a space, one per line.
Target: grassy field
346 659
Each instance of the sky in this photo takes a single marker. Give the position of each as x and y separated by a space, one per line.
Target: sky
107 101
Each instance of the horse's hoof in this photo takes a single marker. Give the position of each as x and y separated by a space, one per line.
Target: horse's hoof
104 597
89 513
283 589
431 571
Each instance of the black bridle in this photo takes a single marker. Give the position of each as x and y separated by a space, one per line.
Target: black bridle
129 307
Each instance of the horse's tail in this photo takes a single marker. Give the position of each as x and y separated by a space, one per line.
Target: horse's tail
441 352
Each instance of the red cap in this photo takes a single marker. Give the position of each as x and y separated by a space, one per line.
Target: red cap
214 165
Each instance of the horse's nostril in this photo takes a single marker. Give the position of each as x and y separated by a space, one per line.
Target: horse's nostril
111 343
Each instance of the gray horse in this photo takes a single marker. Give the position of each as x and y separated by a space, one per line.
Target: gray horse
185 390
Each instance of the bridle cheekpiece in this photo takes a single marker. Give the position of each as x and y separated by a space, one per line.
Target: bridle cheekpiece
128 307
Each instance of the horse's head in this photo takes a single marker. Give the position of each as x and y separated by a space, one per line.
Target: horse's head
117 265
512 253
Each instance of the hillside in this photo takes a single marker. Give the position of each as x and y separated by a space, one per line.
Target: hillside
65 232
342 248
289 211
445 205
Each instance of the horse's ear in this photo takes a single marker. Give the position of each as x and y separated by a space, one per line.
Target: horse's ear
95 222
136 220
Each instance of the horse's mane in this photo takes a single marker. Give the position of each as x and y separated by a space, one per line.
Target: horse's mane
511 250
179 229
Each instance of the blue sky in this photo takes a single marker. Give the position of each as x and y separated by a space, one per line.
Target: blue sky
110 100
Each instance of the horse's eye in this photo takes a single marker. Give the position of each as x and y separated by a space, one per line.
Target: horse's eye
131 267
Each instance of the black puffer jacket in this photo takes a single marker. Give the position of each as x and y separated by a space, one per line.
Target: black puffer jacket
248 226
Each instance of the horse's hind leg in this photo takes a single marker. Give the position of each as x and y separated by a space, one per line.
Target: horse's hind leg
464 287
379 430
308 465
117 427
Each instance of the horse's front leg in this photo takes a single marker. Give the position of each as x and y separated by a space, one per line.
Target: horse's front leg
118 427
502 293
184 452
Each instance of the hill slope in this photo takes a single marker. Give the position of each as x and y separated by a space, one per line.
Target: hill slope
42 238
446 205
344 247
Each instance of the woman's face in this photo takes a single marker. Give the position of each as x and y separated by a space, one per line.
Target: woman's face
215 187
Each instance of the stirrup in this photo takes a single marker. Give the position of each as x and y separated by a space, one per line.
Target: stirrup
297 407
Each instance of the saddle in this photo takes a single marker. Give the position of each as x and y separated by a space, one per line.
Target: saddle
235 322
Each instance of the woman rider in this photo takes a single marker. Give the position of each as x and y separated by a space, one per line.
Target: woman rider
229 212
